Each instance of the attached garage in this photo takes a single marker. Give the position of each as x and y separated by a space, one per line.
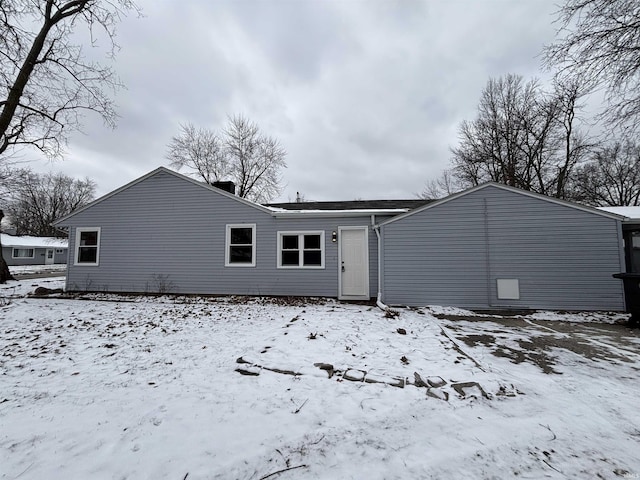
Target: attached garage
494 246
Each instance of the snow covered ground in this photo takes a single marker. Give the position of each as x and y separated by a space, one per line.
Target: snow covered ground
108 387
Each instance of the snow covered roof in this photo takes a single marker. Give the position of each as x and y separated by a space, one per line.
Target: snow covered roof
345 208
281 212
27 241
632 213
353 205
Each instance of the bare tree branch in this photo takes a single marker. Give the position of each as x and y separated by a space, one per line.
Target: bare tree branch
599 43
200 152
446 184
38 200
522 137
240 153
612 176
45 82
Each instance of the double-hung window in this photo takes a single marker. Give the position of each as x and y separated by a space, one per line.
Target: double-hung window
22 253
87 246
240 250
301 249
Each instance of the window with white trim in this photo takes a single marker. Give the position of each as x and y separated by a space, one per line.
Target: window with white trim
240 250
87 246
301 249
23 253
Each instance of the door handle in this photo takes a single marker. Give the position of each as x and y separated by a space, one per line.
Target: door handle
343 266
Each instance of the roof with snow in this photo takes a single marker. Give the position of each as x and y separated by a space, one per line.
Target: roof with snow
632 213
34 242
351 205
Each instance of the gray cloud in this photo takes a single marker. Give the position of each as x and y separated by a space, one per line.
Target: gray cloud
365 96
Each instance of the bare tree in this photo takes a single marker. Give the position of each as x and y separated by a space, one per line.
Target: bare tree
446 184
574 145
39 200
505 142
612 177
201 152
45 80
46 83
522 136
257 159
240 153
600 44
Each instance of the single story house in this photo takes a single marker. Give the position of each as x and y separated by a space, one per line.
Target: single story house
630 233
491 246
27 250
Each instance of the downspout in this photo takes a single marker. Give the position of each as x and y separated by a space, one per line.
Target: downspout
622 248
379 303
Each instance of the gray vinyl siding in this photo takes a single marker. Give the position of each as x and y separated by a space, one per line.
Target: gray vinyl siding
166 233
437 257
60 257
453 253
316 282
38 256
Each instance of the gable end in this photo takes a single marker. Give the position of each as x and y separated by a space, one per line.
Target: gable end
500 186
63 220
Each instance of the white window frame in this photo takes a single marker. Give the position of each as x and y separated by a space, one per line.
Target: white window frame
227 245
80 230
33 252
301 234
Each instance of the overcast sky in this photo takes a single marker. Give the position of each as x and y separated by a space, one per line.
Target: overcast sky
365 96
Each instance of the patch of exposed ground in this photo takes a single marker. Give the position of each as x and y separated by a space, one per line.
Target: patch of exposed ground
539 340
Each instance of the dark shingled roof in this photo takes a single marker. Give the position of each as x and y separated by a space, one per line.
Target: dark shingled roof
353 205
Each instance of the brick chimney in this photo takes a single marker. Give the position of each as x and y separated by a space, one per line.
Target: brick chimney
226 186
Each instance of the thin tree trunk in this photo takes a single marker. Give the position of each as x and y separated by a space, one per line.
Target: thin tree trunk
5 275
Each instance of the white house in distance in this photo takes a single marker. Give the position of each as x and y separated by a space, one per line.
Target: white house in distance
25 250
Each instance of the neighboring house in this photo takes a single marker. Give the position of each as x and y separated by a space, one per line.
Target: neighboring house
25 250
488 247
631 234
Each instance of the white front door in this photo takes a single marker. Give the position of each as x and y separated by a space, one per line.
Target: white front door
353 263
48 256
